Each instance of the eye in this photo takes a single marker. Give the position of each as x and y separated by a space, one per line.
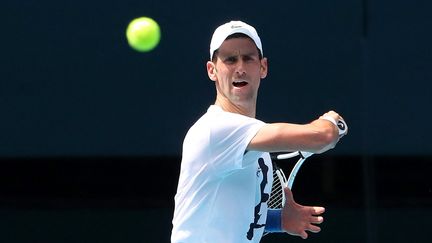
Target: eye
231 59
249 58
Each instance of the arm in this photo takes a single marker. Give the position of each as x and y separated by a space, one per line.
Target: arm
318 136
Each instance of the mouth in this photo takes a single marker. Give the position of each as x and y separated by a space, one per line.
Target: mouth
239 83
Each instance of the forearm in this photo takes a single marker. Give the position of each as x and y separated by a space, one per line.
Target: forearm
314 137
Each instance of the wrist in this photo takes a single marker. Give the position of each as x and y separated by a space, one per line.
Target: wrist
330 119
274 220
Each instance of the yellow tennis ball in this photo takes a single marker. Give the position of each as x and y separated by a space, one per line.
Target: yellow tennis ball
143 34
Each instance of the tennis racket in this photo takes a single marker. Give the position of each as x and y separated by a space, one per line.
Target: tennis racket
277 195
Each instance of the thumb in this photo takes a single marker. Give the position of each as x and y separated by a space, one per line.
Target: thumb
304 235
288 195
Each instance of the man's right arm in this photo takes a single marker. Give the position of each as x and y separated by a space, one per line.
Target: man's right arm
317 137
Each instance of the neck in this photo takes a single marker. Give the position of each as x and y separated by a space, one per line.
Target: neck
248 109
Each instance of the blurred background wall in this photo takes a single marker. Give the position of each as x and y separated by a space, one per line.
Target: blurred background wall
91 131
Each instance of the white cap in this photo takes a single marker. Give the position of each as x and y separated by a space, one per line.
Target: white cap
225 30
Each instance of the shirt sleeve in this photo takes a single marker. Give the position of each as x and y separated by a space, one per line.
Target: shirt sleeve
230 135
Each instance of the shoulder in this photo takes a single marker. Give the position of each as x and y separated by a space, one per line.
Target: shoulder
221 118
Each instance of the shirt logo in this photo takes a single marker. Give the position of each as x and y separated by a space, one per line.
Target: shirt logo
259 171
263 168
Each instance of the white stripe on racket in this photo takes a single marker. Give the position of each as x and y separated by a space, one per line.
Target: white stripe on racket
343 129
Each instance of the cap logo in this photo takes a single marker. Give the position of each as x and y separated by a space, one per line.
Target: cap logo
235 26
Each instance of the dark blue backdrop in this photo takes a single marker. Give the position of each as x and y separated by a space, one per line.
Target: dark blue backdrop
70 85
87 124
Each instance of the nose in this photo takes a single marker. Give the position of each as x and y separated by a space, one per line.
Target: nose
240 69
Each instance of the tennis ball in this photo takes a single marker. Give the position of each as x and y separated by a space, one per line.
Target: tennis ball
143 34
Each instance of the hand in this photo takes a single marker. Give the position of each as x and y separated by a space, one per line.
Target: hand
297 219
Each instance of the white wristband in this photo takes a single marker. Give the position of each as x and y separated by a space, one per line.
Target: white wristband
330 119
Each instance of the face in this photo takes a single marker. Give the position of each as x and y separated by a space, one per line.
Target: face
237 72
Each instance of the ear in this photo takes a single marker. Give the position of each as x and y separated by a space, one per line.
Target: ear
264 68
211 71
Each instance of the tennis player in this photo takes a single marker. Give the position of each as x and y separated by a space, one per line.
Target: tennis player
226 171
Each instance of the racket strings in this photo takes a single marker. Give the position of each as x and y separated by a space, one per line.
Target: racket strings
276 196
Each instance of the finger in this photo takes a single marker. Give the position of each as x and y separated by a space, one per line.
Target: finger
317 210
304 235
288 195
314 229
317 220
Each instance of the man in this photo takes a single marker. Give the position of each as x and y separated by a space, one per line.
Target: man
226 171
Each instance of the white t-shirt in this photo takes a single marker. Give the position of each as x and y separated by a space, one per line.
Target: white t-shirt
223 189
